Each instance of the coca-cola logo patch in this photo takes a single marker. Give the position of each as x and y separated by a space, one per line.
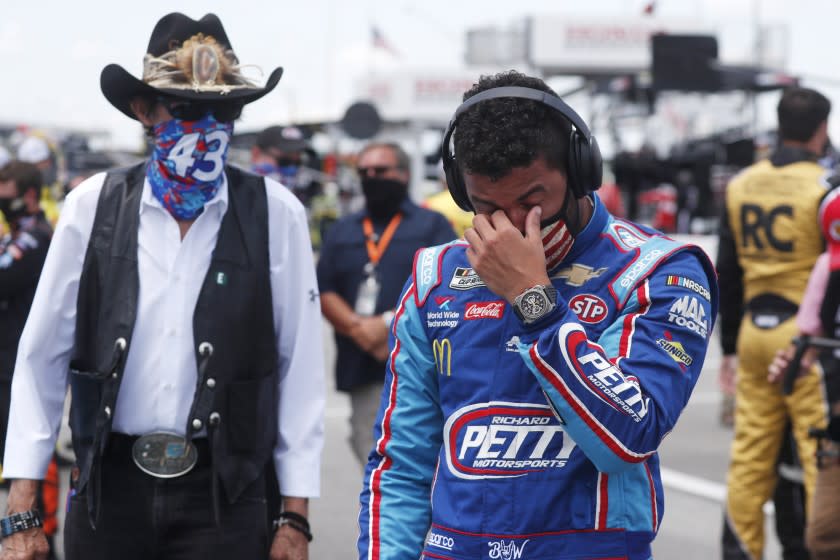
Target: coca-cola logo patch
589 308
484 310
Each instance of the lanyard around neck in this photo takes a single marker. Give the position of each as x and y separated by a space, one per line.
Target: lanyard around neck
376 250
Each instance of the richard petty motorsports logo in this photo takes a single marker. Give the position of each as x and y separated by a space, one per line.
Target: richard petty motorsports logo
607 382
504 440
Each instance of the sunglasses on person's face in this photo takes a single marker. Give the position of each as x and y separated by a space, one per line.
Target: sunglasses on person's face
194 111
375 170
286 161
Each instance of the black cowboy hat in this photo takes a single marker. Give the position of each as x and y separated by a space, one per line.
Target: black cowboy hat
187 59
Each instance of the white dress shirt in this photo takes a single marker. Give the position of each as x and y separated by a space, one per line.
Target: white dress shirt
160 373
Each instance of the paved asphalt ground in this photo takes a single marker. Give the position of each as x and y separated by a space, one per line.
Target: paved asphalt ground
694 459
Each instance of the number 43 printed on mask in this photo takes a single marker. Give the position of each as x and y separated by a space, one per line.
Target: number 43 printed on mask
211 151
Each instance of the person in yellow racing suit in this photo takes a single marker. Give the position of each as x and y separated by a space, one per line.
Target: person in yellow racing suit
769 242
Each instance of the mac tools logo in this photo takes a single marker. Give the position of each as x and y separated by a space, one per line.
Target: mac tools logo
689 313
504 440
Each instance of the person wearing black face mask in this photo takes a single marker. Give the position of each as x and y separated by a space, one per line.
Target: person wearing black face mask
23 249
365 259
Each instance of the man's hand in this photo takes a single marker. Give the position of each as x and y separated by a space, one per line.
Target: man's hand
781 361
381 351
26 545
32 543
508 262
369 333
726 375
289 544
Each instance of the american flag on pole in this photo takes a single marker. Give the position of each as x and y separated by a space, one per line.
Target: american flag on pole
379 41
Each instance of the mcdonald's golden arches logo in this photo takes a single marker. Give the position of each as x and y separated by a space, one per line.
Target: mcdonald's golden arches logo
442 352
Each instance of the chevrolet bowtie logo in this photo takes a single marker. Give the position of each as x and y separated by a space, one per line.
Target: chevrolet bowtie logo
578 274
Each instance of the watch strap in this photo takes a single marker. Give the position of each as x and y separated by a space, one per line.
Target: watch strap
21 521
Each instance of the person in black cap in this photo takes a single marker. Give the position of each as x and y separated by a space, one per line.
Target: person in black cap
179 303
284 154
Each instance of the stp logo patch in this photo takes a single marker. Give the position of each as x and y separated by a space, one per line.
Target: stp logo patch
484 310
589 308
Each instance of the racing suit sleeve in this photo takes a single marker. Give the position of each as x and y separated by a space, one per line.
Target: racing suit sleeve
730 276
395 502
621 395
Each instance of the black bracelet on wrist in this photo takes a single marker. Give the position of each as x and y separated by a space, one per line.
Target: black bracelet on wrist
296 521
296 517
21 521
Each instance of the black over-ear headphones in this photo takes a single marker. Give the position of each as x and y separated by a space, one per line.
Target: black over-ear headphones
583 162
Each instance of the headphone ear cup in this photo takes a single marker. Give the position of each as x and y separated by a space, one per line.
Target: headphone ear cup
596 164
576 172
455 184
454 180
585 165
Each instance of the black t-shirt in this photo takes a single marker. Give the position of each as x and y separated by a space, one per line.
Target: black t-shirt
341 270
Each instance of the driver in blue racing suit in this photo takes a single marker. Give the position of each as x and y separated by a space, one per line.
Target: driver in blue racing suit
536 365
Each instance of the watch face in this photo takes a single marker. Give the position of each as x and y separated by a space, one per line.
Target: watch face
533 304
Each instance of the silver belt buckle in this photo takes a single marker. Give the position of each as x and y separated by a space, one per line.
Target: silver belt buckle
164 455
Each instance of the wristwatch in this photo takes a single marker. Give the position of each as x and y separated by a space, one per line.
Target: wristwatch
18 522
535 303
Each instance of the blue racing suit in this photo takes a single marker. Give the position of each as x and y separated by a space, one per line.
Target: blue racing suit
501 440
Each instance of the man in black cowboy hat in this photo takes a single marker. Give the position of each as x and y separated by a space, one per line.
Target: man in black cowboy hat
179 303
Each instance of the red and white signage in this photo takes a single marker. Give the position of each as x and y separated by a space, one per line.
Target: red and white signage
484 310
589 308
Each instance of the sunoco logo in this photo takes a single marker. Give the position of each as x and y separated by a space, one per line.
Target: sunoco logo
440 541
675 350
503 440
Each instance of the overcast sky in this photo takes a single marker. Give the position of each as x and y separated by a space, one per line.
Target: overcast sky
53 51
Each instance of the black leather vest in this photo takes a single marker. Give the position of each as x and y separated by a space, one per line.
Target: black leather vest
235 343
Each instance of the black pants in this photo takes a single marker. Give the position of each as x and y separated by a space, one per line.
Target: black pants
146 518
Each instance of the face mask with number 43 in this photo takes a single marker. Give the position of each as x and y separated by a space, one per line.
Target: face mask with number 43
185 170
